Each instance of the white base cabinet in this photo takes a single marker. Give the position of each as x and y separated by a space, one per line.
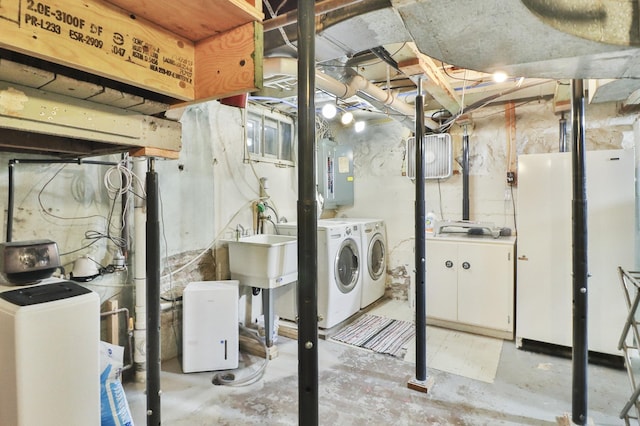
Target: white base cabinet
470 284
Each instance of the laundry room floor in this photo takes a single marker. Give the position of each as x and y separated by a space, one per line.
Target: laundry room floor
360 387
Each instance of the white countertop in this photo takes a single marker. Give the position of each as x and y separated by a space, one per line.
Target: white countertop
466 238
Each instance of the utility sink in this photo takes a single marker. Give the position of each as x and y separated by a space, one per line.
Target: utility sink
264 260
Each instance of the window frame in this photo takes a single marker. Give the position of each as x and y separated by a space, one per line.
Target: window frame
274 123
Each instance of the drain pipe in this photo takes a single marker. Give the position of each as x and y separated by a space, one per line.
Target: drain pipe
140 281
357 86
580 351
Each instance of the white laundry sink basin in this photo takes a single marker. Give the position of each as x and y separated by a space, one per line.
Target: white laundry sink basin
264 260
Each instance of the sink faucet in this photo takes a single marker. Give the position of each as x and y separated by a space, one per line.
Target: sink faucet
240 231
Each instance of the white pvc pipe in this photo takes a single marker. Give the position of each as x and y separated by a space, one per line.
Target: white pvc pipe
358 84
140 281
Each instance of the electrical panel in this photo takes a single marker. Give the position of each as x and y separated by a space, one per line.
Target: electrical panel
335 174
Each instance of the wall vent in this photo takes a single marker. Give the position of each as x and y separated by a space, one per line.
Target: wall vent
438 156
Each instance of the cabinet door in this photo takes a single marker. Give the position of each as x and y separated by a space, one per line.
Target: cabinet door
442 280
485 285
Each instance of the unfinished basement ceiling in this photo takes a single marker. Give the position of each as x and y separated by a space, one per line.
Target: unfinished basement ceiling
465 41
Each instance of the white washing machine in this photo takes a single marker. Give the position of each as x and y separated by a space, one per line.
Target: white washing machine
49 354
374 255
339 277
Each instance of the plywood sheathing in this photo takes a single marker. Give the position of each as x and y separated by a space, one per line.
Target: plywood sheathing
110 40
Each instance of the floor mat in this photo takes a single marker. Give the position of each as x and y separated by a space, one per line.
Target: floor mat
379 334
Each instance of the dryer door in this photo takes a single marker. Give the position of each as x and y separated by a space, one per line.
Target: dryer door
377 256
347 266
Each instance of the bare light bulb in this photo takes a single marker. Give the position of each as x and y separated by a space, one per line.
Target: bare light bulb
346 118
499 77
359 126
329 110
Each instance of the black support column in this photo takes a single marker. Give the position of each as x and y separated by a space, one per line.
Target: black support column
307 221
419 383
580 264
153 297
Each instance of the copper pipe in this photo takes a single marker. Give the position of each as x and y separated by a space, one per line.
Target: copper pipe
291 17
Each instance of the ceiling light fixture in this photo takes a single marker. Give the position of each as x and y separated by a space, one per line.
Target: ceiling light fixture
347 118
359 126
499 77
329 110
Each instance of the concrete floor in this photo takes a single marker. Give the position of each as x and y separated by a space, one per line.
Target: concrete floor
358 387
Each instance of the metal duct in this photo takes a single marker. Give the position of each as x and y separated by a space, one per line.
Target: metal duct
356 86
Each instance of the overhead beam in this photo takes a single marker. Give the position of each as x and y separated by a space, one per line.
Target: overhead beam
436 83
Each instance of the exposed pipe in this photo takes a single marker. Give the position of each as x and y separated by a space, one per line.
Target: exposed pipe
465 175
129 334
125 197
140 282
580 350
357 86
10 202
292 16
307 296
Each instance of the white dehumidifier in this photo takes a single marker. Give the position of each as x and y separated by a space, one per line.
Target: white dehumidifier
210 338
49 355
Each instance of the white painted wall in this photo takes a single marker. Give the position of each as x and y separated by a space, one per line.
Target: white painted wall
209 189
381 191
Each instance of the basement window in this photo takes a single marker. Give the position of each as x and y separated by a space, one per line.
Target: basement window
269 136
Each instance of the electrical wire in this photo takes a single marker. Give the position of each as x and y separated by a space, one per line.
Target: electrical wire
47 212
280 29
484 102
215 240
440 199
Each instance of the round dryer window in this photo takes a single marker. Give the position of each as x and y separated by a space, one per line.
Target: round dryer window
377 259
347 266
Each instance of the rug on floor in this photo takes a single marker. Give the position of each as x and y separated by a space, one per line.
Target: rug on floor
379 334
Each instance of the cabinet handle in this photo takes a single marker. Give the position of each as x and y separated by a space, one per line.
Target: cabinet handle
448 264
466 265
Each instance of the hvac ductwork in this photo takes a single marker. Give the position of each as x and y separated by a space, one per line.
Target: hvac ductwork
356 86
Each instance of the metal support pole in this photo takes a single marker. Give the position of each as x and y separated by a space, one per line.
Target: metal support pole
562 143
11 202
307 221
580 264
465 175
153 297
421 311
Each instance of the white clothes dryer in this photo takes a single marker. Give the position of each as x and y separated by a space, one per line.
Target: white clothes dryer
374 254
339 277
